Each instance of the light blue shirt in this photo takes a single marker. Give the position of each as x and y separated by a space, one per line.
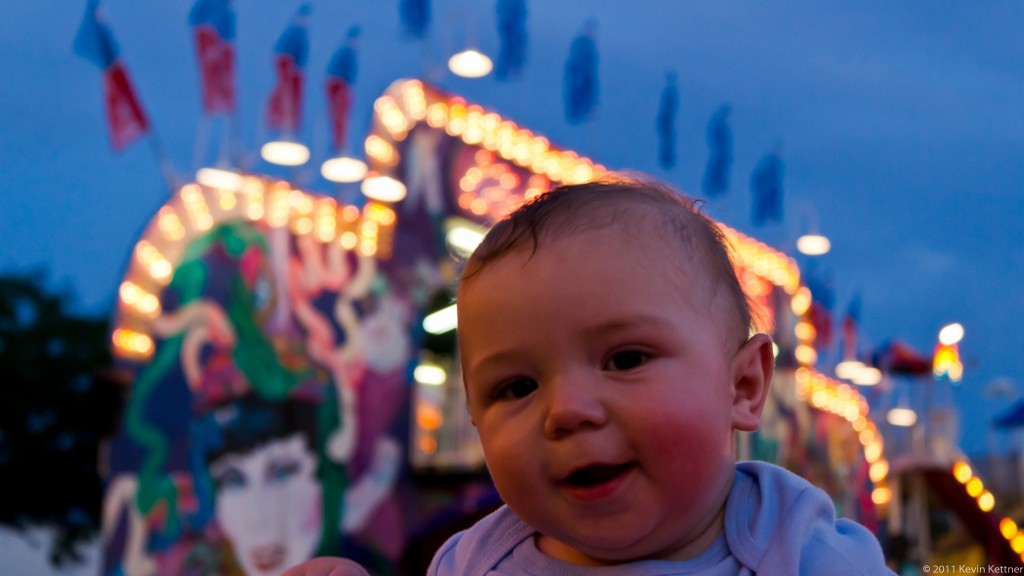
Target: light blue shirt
776 524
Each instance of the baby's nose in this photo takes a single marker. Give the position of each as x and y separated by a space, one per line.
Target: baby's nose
573 405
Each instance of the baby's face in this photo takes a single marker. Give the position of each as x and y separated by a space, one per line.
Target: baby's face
602 391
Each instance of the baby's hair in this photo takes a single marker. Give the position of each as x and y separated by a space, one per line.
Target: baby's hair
601 203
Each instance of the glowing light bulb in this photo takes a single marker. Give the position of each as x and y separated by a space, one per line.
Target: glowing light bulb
343 169
285 153
442 321
429 374
813 244
951 333
962 472
383 188
219 178
470 64
847 369
464 240
904 417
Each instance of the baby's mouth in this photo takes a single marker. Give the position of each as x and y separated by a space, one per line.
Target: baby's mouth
596 474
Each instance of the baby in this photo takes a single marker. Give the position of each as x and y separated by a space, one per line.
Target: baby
608 359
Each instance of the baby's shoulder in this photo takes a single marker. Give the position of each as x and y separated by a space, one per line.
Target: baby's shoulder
775 518
476 550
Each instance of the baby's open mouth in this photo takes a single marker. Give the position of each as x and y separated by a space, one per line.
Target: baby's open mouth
596 474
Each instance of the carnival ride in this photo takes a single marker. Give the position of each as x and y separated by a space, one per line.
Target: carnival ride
262 289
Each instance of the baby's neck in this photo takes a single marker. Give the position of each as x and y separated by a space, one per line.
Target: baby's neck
680 551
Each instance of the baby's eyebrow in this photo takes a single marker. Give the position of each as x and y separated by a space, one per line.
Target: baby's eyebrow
632 321
494 361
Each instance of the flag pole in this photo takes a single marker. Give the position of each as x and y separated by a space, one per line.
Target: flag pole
170 175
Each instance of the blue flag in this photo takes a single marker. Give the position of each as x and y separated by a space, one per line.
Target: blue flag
415 17
284 110
126 119
766 185
512 32
719 139
581 77
667 109
341 76
213 24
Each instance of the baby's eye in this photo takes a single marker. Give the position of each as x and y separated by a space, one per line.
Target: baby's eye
518 388
626 360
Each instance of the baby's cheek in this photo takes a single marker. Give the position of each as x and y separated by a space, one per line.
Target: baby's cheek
684 455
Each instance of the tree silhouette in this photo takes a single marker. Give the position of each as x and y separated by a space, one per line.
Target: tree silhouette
58 401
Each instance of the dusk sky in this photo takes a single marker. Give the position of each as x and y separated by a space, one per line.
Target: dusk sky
901 127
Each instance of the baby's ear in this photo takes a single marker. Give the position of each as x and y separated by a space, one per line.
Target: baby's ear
752 369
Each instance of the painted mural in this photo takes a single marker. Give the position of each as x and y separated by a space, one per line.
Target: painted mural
269 354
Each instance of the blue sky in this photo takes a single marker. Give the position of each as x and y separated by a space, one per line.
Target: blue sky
901 125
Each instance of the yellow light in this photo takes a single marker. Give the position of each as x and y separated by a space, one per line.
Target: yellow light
348 240
303 225
437 115
1017 543
881 495
801 301
867 436
379 149
986 501
955 371
878 471
380 214
170 224
160 270
962 472
851 412
819 398
132 343
805 331
872 452
204 221
369 229
1008 528
975 487
226 199
415 99
350 213
805 355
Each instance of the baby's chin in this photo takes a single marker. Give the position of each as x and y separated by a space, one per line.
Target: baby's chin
622 543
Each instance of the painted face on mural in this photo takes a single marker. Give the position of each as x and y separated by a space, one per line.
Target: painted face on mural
387 338
269 504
